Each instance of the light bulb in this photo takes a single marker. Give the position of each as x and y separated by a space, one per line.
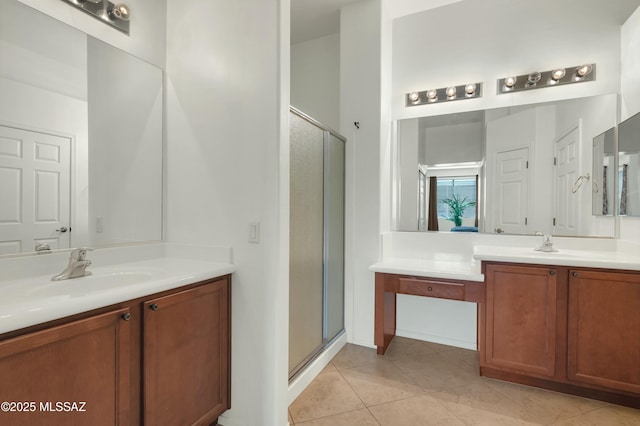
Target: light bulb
557 74
432 95
414 97
581 72
120 11
510 82
584 70
451 92
470 90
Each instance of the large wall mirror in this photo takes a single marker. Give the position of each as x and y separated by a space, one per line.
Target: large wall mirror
515 170
628 167
80 138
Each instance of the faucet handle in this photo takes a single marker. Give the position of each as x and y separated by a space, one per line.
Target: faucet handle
80 253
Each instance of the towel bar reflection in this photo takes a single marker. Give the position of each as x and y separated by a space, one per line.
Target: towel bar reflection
578 183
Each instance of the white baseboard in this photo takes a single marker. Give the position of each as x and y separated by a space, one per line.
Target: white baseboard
437 339
365 343
310 372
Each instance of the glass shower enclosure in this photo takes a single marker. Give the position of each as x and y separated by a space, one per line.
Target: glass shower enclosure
316 259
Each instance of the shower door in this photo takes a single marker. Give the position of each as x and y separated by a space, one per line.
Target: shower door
316 259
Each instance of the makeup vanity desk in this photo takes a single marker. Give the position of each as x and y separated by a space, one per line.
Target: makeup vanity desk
568 321
443 279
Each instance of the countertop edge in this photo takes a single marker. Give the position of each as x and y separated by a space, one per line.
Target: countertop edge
387 268
624 265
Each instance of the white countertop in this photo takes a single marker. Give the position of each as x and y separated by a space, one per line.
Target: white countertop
447 267
606 259
461 260
33 300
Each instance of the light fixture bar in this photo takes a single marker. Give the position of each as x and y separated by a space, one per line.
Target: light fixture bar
554 77
444 94
106 11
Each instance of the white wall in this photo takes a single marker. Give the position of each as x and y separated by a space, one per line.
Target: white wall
227 165
315 79
630 96
147 38
471 41
360 100
458 143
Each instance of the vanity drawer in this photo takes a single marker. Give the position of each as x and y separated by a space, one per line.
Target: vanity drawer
429 288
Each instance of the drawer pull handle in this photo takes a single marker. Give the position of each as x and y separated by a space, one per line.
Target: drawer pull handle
552 272
430 288
126 316
575 274
153 307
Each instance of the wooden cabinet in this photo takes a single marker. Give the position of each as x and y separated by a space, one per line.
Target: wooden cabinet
604 329
521 319
71 374
158 360
573 330
186 356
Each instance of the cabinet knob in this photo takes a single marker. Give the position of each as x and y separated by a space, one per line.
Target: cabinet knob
552 272
575 274
430 288
126 316
153 307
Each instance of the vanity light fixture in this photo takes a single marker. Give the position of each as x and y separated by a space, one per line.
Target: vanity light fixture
115 14
451 93
554 77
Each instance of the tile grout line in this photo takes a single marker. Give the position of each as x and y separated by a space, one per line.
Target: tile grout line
354 391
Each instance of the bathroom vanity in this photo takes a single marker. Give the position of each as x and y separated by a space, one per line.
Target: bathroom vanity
569 329
566 321
159 358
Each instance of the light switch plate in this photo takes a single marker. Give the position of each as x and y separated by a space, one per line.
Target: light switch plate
254 232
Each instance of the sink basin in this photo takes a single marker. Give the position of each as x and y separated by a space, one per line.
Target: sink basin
117 275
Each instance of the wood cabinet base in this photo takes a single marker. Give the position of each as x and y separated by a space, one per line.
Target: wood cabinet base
158 360
571 330
625 399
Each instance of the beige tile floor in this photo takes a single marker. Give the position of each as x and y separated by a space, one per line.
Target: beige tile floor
418 383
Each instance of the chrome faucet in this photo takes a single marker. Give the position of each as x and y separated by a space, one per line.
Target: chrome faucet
547 244
77 265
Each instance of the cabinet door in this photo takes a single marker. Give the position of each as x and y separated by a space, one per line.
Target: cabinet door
73 374
521 319
186 356
604 329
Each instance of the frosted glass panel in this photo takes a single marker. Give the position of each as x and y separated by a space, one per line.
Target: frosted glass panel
334 210
306 240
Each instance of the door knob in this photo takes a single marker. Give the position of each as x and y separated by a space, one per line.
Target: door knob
62 229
